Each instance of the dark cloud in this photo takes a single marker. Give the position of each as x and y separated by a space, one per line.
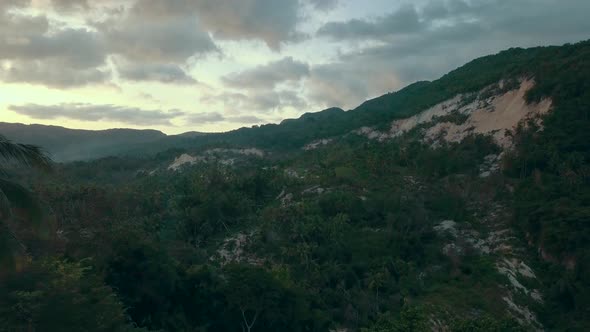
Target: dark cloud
269 75
52 73
163 73
454 19
154 40
157 41
78 48
402 21
272 21
36 54
88 112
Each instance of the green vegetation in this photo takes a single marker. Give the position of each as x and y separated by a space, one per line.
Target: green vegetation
340 237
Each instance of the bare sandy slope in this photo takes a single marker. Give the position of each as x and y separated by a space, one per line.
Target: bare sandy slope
498 116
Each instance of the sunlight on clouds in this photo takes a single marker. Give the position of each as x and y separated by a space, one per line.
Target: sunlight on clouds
169 55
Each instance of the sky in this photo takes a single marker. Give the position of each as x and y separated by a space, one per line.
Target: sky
217 65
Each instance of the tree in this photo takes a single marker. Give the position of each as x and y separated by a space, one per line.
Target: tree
409 319
56 295
261 302
22 155
13 194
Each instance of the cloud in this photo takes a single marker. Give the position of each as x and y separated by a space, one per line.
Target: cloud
6 4
157 41
324 4
70 5
427 41
33 53
205 118
245 119
78 48
215 117
52 73
259 87
154 40
235 101
163 73
272 21
256 101
89 112
347 83
405 20
269 75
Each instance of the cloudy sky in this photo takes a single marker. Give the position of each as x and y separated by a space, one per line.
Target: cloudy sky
215 65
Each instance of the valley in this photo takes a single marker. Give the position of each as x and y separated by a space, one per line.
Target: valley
460 204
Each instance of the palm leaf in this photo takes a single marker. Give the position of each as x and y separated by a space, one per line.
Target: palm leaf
26 154
5 209
12 195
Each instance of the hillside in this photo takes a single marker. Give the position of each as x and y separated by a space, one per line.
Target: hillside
70 144
553 67
461 204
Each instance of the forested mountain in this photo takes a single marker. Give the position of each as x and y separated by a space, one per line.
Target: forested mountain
461 204
70 144
552 67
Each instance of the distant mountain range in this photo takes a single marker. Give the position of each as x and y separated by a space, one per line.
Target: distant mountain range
72 144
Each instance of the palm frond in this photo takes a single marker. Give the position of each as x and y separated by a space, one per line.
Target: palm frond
26 154
5 208
13 195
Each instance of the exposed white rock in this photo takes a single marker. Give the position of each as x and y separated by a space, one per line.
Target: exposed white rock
184 159
317 144
447 226
452 249
519 267
246 152
227 162
314 190
490 165
293 174
536 295
371 133
497 116
233 250
285 198
400 127
512 269
523 314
